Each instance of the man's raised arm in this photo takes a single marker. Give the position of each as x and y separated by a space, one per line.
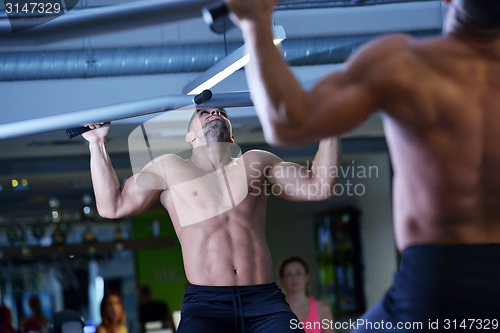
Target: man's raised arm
113 200
292 116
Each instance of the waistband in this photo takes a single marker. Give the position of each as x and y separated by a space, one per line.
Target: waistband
234 294
454 280
490 251
450 269
231 289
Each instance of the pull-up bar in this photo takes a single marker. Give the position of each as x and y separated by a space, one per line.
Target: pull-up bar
119 111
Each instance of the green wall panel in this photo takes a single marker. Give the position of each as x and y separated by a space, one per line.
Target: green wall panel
161 269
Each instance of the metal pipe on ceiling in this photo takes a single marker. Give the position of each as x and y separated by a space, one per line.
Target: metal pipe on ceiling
100 20
65 64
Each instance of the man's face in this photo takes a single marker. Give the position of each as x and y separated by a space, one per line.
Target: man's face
213 125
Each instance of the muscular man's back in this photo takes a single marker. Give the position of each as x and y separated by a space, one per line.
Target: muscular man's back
445 94
442 108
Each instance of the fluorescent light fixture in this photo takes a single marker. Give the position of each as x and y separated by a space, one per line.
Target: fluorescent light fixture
226 66
99 289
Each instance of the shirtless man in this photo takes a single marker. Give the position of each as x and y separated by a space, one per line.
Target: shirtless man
225 254
441 98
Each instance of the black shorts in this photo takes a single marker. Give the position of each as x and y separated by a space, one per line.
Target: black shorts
259 308
441 288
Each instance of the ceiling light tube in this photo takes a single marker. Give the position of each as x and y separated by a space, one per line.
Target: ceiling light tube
227 66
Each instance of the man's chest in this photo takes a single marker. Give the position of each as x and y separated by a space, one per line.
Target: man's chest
198 195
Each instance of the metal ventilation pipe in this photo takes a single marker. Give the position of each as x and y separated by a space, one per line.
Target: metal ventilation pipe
65 64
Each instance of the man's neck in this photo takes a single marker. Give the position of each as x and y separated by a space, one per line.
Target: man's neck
487 45
213 156
478 38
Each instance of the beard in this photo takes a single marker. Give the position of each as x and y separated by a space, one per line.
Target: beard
217 131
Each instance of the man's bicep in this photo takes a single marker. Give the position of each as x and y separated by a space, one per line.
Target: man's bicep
290 181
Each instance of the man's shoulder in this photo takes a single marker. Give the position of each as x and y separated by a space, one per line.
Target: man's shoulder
387 45
258 160
393 61
376 61
399 48
395 40
170 159
258 155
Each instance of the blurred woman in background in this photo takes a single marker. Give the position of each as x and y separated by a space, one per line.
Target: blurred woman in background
6 320
37 322
112 314
295 275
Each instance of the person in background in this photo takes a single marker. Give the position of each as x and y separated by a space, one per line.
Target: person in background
37 322
153 310
112 314
6 320
294 274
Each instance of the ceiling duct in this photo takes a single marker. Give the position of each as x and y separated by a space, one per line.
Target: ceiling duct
85 63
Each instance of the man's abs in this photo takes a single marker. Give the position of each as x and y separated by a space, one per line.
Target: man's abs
227 249
232 253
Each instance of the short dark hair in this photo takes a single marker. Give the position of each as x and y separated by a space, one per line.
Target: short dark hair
145 291
478 15
5 314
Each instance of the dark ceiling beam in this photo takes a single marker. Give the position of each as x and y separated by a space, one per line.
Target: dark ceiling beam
77 163
88 251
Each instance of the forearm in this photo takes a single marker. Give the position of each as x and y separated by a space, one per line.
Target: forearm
296 183
104 180
326 164
278 97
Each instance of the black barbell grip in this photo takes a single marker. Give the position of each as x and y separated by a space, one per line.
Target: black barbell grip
76 131
201 98
214 14
214 11
204 96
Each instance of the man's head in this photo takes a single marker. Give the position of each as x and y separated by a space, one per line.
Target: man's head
480 18
209 125
144 294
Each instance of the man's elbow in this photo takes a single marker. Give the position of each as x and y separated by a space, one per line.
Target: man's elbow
323 196
278 136
108 212
327 191
274 140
